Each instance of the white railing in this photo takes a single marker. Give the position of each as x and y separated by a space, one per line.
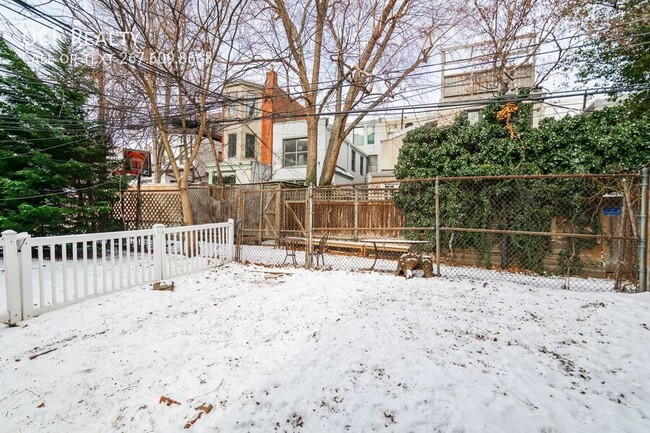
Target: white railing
4 312
46 273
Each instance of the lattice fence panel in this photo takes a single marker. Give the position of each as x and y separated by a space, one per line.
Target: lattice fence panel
157 207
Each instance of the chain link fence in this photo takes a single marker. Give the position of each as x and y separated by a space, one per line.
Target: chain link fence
562 231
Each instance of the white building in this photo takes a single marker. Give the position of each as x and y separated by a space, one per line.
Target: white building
182 143
290 154
382 138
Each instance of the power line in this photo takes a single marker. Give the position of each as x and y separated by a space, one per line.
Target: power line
275 116
325 113
377 79
439 106
71 191
43 149
106 48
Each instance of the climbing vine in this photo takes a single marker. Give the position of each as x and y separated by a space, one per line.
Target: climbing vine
505 143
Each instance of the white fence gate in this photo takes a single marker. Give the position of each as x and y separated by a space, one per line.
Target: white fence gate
46 273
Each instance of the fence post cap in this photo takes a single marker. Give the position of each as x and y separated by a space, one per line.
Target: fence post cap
9 233
158 226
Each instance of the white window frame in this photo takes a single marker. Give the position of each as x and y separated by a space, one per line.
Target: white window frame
296 152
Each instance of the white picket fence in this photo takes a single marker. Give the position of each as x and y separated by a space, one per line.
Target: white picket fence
4 314
47 273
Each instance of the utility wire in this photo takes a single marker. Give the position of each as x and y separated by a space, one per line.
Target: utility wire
251 99
71 191
378 79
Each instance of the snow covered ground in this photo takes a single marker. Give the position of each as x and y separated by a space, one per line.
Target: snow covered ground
332 351
274 256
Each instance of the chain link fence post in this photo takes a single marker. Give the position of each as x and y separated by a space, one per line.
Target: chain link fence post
437 226
310 225
230 254
647 230
643 234
240 222
356 213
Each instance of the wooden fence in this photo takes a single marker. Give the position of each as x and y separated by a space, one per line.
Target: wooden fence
268 212
611 246
162 205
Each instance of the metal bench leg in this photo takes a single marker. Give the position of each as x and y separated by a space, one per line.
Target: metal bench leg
289 251
372 268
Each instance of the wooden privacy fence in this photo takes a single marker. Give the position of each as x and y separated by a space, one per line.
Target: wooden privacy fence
268 212
47 273
357 212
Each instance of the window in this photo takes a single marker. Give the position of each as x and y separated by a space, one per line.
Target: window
370 134
363 135
295 151
232 145
227 180
231 109
354 161
371 164
249 151
250 105
361 166
474 117
358 136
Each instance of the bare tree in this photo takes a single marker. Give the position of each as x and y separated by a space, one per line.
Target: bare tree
511 35
351 56
178 55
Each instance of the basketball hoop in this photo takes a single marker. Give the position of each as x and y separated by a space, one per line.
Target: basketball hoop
137 162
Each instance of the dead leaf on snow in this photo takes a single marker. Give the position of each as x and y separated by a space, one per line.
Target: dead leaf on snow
168 401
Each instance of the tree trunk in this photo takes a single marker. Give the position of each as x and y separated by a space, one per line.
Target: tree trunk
216 160
312 150
333 148
186 204
157 157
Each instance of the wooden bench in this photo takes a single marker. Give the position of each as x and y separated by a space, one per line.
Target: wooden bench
363 248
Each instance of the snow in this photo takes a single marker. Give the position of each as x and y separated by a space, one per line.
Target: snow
269 255
332 351
102 276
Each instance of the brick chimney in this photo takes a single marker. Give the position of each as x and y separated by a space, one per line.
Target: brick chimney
271 79
266 147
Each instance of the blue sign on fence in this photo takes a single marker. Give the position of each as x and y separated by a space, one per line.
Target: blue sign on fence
611 211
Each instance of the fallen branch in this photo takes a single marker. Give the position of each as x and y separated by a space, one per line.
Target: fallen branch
220 383
42 353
